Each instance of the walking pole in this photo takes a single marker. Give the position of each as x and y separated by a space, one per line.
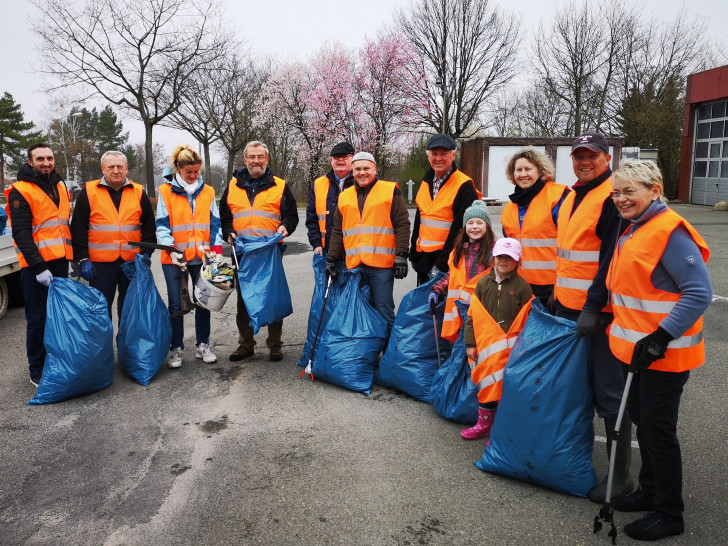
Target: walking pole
309 367
433 308
606 513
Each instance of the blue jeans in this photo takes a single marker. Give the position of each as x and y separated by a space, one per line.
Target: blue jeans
36 299
381 287
173 278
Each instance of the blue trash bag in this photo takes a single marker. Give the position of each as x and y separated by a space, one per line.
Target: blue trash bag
543 431
410 361
317 305
453 393
145 328
262 280
79 342
355 334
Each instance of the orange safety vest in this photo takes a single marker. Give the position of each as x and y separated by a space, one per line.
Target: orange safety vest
537 235
639 307
369 234
577 253
436 215
189 230
457 290
321 191
49 224
263 217
494 347
110 230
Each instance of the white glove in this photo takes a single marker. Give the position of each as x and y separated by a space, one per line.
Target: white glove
178 259
44 277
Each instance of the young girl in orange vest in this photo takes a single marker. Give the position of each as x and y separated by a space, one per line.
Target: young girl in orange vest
469 258
496 309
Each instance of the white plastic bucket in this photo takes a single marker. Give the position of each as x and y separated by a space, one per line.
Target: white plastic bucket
209 296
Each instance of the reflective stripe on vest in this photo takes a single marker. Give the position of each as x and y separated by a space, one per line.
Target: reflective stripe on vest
368 235
436 215
111 230
457 290
577 256
189 229
321 192
537 234
494 347
49 223
639 307
263 217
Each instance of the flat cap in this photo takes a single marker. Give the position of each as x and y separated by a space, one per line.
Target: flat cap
342 148
595 142
364 156
441 141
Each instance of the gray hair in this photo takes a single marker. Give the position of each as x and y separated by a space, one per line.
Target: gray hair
640 171
114 152
254 144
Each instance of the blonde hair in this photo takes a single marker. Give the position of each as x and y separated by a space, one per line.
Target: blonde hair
184 156
542 162
640 171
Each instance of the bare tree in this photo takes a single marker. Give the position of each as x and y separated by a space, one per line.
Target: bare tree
469 47
240 84
137 54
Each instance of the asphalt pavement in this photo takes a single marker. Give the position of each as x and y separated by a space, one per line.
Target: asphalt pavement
248 453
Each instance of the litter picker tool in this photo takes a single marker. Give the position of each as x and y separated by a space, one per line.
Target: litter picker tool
606 513
184 287
309 366
433 309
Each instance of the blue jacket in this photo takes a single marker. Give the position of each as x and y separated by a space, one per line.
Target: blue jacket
164 232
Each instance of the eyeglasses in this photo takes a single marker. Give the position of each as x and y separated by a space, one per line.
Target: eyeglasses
256 157
626 193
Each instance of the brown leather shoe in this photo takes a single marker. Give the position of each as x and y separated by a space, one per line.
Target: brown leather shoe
240 353
276 354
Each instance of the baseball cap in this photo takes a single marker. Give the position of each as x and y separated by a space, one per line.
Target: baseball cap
592 141
441 141
508 247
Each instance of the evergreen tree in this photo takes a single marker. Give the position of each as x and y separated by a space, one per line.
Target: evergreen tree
15 134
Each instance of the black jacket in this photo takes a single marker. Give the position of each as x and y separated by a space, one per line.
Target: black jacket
332 199
21 216
82 213
422 262
242 179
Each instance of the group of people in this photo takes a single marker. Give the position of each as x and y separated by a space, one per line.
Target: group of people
607 254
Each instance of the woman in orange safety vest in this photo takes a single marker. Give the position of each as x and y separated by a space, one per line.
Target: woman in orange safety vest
530 217
187 218
660 288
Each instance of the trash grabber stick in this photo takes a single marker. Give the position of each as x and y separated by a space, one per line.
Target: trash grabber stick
309 367
433 308
606 513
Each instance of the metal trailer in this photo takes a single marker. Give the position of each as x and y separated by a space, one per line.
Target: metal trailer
10 292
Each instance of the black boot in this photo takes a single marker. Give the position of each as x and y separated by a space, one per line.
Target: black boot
622 484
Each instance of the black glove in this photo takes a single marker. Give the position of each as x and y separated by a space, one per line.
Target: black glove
400 267
650 348
75 269
434 299
588 323
332 270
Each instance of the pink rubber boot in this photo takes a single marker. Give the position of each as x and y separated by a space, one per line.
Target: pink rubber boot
481 429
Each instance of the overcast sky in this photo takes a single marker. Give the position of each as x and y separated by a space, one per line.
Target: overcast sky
288 29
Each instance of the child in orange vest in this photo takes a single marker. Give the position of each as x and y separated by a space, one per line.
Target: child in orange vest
471 248
502 292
